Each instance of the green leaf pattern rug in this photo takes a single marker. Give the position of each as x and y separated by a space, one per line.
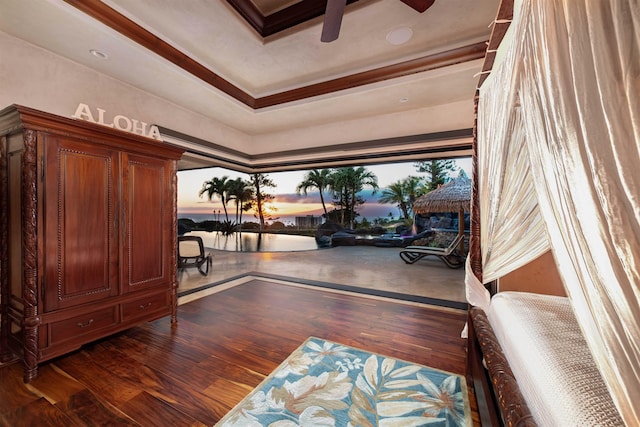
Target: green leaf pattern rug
327 384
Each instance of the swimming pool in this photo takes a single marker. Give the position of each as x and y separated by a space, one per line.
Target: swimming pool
255 242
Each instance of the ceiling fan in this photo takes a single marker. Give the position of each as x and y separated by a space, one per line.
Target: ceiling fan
335 11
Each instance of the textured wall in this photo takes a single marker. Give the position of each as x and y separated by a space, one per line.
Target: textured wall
36 78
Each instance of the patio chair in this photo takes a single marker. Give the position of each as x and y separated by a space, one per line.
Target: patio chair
449 255
191 254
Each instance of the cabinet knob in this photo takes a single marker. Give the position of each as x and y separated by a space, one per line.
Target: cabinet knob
84 325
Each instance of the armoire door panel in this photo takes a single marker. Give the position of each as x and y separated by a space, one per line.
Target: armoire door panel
80 199
145 237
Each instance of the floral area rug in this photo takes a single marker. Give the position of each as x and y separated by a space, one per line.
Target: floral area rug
327 384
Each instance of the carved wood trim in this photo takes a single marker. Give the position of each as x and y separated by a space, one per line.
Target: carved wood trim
173 264
5 354
30 254
477 375
475 251
136 33
512 405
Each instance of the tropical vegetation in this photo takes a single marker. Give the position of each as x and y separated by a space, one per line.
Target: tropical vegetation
437 171
346 184
403 193
261 201
217 187
246 195
343 185
319 179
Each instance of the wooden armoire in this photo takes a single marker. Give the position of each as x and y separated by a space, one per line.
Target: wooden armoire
88 230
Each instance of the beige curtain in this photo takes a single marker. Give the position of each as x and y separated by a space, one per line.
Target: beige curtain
509 214
512 231
559 120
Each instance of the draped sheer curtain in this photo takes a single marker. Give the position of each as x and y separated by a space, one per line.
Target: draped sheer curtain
558 158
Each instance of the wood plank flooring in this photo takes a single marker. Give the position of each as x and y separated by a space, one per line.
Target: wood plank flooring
223 346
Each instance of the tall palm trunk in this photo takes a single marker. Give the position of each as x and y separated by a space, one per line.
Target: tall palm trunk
224 206
259 204
353 208
344 207
323 205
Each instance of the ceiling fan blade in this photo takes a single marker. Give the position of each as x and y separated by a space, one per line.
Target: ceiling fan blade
332 20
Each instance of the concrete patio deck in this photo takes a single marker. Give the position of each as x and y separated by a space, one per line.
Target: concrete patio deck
368 267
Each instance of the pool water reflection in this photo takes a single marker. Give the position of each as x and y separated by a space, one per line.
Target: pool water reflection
255 242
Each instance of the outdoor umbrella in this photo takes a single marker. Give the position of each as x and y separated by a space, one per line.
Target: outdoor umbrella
454 196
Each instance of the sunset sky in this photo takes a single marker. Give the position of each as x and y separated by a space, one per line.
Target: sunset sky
287 202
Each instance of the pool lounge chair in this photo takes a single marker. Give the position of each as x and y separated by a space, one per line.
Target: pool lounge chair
191 254
449 255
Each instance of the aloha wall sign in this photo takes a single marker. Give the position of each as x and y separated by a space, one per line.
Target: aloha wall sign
83 112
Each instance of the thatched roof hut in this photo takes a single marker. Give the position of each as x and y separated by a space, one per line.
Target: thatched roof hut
450 197
454 196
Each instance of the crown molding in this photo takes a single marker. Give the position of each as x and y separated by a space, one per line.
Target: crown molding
118 22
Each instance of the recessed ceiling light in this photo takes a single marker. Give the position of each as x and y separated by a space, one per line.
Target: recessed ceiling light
399 35
99 54
404 100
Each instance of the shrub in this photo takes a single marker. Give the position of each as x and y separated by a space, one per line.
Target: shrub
277 225
228 227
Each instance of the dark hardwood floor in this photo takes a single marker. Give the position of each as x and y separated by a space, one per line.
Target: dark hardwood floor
223 346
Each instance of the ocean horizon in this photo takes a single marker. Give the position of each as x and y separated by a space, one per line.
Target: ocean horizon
285 219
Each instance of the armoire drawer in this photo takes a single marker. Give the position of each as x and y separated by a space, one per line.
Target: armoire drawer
83 324
141 307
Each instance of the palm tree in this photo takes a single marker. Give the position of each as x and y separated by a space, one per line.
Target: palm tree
340 188
403 193
395 193
362 178
414 188
217 187
259 182
320 179
347 183
241 192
